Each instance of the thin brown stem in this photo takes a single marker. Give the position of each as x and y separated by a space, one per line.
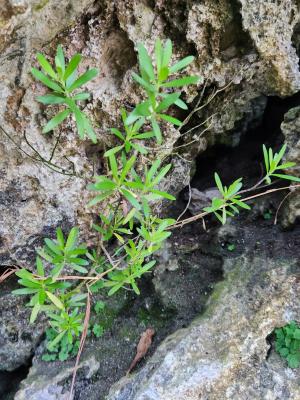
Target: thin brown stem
180 224
82 341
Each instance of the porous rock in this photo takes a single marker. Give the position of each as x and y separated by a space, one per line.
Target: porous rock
224 353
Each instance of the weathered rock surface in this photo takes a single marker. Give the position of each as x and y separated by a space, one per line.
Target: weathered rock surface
291 129
246 46
239 44
224 354
18 339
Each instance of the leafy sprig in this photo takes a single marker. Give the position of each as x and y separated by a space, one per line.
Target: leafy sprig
273 164
63 80
155 80
229 203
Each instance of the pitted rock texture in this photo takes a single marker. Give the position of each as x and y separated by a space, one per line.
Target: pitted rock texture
243 45
18 339
224 353
291 129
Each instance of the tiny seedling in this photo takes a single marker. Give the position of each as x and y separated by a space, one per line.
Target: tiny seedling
267 214
230 247
63 80
287 343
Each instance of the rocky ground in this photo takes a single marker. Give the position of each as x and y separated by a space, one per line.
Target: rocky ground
247 53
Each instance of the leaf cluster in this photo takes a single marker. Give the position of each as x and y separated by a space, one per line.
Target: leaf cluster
63 80
287 343
57 298
155 80
273 165
229 203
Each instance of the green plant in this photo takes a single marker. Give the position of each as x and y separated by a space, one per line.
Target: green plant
127 197
62 350
272 164
230 247
98 330
287 343
128 223
268 214
230 200
63 80
154 79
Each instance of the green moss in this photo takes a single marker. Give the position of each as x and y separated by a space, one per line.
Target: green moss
106 317
156 316
39 6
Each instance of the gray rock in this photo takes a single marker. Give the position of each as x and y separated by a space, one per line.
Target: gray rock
290 127
18 339
199 200
242 45
224 353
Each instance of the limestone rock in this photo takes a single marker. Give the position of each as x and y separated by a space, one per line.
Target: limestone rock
291 129
224 353
18 339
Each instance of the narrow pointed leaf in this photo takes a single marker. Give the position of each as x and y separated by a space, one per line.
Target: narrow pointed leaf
86 77
58 119
188 80
73 64
45 80
145 61
181 64
44 63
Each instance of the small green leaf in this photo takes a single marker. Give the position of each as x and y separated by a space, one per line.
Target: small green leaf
99 198
58 119
181 104
219 183
167 53
72 238
40 267
181 64
73 64
46 65
145 62
60 60
82 96
288 177
34 312
156 130
117 133
131 198
266 158
50 99
57 339
188 80
113 151
86 77
98 330
24 291
143 83
60 238
170 119
55 300
168 101
45 80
